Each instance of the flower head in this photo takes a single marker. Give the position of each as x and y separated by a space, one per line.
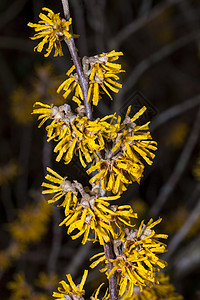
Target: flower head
135 141
116 173
137 258
85 211
74 133
75 292
52 29
102 74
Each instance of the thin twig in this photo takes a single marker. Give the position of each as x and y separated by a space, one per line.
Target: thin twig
174 111
12 11
188 259
72 49
79 257
154 58
181 234
168 188
137 24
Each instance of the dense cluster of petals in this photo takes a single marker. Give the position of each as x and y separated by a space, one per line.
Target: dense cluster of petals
116 173
123 164
85 211
74 134
52 29
137 258
101 74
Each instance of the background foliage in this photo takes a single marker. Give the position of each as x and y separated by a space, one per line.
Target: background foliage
160 41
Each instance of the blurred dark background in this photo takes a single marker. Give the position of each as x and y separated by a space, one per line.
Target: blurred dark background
161 45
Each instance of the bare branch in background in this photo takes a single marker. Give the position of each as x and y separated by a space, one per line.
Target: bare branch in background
138 24
188 259
12 11
154 58
185 155
181 234
174 111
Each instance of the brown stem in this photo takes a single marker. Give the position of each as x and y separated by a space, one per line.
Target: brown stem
72 49
108 249
84 86
109 253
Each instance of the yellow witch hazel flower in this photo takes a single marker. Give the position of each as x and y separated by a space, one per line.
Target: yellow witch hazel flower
100 71
85 211
135 141
102 74
74 133
71 291
161 290
116 173
137 258
52 29
122 165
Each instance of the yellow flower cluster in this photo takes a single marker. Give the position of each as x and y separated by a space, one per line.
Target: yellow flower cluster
123 165
73 291
161 290
76 134
31 223
52 29
101 73
85 211
137 258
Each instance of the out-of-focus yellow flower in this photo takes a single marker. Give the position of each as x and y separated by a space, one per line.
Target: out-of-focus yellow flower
47 282
85 210
31 223
116 173
8 172
161 290
137 258
71 290
196 169
52 29
96 294
177 135
102 72
20 288
43 85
